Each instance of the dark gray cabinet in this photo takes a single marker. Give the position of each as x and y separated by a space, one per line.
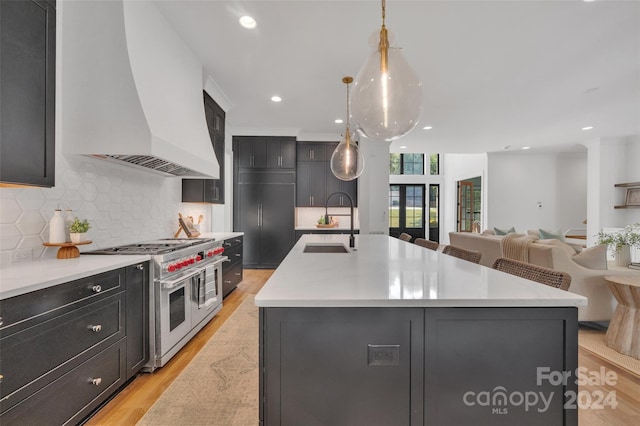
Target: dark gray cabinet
315 181
320 151
264 211
417 366
209 190
65 349
27 92
265 152
336 185
311 190
137 317
232 270
333 366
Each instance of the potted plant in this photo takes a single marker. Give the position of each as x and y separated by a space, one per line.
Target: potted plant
78 230
621 242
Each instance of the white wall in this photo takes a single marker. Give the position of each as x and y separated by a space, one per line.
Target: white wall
610 161
531 191
123 205
455 167
571 190
373 188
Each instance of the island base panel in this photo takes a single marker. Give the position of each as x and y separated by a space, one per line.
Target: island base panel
416 366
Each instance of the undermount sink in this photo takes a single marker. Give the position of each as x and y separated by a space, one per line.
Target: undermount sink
325 248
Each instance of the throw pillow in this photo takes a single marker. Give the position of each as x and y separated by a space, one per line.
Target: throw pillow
547 235
488 232
593 257
499 231
570 251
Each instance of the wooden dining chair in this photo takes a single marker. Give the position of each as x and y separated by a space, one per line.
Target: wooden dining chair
432 245
405 237
546 276
470 255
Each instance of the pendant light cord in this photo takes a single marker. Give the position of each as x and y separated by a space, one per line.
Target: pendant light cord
347 135
383 45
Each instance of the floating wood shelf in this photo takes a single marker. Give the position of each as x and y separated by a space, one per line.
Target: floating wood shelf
627 185
626 207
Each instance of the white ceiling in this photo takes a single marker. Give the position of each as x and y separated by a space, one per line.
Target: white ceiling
495 73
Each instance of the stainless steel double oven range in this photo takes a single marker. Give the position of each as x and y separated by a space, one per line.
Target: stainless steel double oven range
185 290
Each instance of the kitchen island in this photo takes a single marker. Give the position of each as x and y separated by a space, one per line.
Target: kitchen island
390 333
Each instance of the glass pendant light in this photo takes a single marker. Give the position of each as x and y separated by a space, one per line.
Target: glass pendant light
387 94
346 161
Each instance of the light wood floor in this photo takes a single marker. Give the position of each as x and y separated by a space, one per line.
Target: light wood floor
130 405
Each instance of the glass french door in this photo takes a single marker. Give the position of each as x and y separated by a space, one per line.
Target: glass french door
465 206
434 213
407 210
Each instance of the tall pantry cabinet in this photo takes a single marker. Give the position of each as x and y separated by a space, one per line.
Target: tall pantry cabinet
264 201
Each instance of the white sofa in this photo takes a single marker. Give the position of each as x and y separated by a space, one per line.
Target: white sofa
584 281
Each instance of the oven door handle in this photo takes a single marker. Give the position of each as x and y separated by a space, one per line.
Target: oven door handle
174 283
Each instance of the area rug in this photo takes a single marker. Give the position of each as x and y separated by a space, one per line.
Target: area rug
593 341
220 385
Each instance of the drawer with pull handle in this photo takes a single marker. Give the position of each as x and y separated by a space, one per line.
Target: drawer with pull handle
234 254
83 388
232 242
42 353
29 309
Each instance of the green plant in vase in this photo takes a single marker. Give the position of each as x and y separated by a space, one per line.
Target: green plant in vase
621 242
78 230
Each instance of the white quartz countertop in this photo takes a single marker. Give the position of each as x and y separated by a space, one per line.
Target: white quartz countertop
21 278
384 271
314 228
221 236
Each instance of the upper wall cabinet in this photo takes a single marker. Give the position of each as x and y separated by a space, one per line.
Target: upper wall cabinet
265 152
209 190
27 92
316 182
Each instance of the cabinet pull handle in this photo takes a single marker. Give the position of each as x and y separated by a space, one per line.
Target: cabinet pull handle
96 328
140 267
238 274
237 254
96 288
227 282
1 377
96 381
1 321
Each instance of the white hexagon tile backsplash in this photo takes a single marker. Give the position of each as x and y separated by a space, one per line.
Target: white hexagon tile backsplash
123 205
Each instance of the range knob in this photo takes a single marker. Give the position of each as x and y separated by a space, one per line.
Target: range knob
171 268
198 258
192 261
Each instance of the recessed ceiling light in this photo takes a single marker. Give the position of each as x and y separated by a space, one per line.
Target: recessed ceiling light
427 128
588 1
526 147
338 121
276 98
507 147
403 147
587 128
247 22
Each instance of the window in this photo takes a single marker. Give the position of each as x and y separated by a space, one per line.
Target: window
434 164
394 164
406 164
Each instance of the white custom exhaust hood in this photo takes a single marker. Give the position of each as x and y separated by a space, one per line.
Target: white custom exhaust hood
131 90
